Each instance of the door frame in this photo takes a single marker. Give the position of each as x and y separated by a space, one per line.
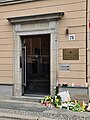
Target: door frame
18 32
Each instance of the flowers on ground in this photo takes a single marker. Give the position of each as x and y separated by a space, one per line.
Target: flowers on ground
74 105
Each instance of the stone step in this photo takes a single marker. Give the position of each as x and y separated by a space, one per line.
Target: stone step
26 98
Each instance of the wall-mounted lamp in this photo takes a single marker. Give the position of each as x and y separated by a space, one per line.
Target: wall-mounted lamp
67 31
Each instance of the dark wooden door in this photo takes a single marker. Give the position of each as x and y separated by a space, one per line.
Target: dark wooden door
36 64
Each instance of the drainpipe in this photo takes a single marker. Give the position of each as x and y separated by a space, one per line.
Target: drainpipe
88 91
86 37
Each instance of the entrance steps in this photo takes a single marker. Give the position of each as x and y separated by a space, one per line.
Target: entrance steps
22 109
25 99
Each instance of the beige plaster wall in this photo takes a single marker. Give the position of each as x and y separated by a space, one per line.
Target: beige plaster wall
74 19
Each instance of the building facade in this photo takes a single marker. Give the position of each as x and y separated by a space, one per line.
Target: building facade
43 43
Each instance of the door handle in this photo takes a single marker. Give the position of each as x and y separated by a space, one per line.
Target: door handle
24 66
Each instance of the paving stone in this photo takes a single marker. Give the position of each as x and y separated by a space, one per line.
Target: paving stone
51 112
43 118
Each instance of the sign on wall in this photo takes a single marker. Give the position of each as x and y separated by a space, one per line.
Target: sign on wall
71 54
64 66
72 37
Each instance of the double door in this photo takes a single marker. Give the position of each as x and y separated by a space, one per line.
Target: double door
35 62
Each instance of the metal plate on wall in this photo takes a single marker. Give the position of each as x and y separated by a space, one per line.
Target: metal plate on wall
71 54
63 66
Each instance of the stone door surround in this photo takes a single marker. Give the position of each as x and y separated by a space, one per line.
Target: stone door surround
34 25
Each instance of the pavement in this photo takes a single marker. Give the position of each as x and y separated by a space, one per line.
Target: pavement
26 108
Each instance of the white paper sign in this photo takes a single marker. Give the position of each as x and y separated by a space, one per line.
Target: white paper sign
72 37
64 96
